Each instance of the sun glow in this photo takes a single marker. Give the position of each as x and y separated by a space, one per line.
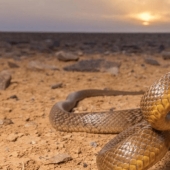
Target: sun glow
146 18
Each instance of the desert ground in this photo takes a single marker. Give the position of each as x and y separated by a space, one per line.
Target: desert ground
39 80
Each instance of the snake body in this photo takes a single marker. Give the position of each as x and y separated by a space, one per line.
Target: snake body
144 134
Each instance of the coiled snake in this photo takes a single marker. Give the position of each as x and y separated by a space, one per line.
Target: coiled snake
144 137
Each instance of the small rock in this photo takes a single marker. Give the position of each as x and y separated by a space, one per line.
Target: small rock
5 79
82 108
77 150
7 109
30 164
36 65
14 154
58 85
13 97
26 118
12 137
142 65
161 48
42 46
166 55
12 65
93 65
93 144
166 66
66 137
65 56
151 61
1 122
60 158
79 53
55 44
6 122
113 70
84 165
31 124
107 53
33 142
60 145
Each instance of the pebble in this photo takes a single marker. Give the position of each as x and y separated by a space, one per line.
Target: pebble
93 144
113 70
5 79
12 137
14 154
84 165
82 108
13 97
151 61
12 65
92 65
58 85
67 137
37 65
31 124
33 142
26 118
65 56
1 122
80 53
5 121
166 55
77 150
59 158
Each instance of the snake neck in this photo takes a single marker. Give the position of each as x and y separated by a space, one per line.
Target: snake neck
155 104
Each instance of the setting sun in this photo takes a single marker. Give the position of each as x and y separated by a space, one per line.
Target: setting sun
146 18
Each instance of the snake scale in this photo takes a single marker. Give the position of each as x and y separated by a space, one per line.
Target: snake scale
144 134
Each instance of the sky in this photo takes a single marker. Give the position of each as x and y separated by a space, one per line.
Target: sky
85 15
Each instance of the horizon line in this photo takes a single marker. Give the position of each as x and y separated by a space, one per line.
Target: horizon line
83 32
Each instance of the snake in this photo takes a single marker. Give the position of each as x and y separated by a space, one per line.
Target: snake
143 133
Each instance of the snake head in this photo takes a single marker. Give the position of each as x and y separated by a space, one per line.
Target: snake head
155 104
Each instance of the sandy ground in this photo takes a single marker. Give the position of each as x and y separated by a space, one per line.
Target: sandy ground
30 141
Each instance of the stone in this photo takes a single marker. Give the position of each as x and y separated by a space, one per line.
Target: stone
65 56
113 70
85 165
5 121
12 65
36 65
14 97
93 144
152 61
31 124
56 44
82 108
77 150
166 55
1 122
93 65
59 158
41 46
66 137
12 137
107 53
5 79
80 53
161 48
58 85
131 49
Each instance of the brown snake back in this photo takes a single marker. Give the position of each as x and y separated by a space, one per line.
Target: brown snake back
138 146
